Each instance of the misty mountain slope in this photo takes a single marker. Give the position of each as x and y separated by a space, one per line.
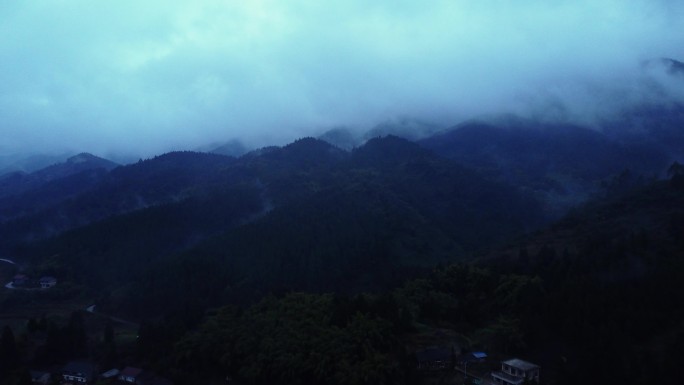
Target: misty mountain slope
657 122
48 194
304 216
163 179
658 128
106 253
406 128
297 170
340 137
173 201
18 183
210 194
446 190
381 214
561 164
27 164
233 147
306 154
653 214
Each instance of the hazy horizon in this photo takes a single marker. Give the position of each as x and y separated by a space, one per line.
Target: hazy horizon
142 78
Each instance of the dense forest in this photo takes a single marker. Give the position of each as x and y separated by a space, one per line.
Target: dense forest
584 307
589 309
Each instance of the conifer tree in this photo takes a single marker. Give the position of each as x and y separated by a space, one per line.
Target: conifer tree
8 352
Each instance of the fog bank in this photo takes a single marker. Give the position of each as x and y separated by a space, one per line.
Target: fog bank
140 78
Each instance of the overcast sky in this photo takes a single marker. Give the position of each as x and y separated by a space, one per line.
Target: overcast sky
143 77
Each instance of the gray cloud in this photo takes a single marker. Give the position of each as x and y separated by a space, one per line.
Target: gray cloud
143 77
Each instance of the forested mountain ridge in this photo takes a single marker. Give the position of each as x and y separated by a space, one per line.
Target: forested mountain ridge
98 194
249 232
22 194
18 182
563 165
365 220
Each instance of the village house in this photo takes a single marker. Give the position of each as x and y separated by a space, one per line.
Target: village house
78 372
515 371
111 374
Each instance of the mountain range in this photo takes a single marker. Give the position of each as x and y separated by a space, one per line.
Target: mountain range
416 204
497 227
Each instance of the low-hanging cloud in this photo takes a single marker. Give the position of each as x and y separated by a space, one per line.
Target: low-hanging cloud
142 77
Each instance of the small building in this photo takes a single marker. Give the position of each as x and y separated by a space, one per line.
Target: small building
20 280
110 374
515 371
78 372
471 357
130 374
435 358
47 282
40 378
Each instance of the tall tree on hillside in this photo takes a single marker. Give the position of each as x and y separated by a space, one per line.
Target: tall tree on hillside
109 347
676 168
8 352
25 378
108 336
676 173
76 334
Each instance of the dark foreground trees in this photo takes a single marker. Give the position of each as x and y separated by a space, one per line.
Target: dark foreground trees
293 340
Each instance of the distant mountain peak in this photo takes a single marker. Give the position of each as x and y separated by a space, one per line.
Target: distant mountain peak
83 158
390 149
233 148
341 138
311 148
391 141
19 183
308 142
408 128
77 163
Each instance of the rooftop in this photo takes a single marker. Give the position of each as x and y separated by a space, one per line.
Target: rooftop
110 373
520 364
130 371
472 357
